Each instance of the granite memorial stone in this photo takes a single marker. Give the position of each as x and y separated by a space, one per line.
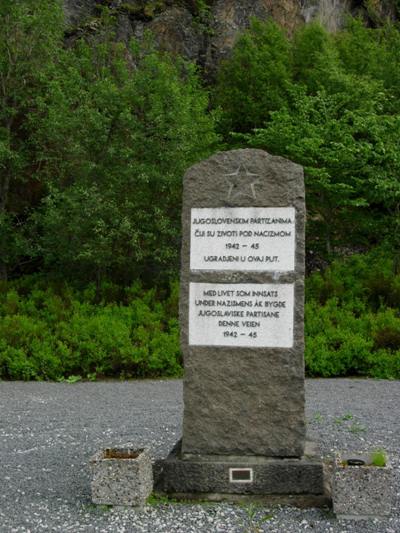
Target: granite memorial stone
241 315
242 306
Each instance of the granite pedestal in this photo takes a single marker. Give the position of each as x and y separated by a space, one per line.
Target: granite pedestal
295 481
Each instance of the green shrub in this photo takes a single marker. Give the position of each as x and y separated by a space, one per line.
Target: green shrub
115 142
52 335
386 330
352 325
370 277
384 364
254 81
93 146
337 342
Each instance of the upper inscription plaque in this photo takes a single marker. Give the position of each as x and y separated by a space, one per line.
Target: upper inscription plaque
242 238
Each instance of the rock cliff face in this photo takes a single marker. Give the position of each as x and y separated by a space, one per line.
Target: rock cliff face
332 13
205 32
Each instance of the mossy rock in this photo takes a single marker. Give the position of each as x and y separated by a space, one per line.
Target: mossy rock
144 8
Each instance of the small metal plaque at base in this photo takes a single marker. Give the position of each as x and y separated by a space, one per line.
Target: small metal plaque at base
241 475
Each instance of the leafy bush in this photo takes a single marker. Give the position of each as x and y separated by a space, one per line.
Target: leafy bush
350 328
372 278
350 159
54 333
372 52
263 53
116 141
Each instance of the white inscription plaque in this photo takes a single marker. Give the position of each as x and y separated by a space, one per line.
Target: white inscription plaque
242 238
241 314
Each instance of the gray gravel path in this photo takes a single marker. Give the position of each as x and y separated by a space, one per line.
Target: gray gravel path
48 431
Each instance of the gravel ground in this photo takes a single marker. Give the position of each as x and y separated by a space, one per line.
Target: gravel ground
48 431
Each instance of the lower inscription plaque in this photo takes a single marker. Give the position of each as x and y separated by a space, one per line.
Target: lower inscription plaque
241 314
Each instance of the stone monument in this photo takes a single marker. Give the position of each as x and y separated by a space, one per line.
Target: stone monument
241 315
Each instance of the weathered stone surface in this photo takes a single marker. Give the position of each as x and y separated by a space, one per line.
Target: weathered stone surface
229 18
176 32
121 477
208 38
178 27
211 475
330 13
244 401
76 11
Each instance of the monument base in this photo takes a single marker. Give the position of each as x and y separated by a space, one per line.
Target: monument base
271 480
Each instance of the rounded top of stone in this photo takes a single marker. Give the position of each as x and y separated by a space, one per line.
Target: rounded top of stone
250 153
244 177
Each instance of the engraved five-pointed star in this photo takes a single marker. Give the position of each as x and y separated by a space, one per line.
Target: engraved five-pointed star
241 183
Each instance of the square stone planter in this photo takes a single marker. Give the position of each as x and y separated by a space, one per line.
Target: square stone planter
361 491
121 476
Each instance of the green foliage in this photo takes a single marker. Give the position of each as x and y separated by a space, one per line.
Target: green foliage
337 115
100 133
356 428
254 518
30 41
350 171
156 499
14 243
51 331
73 379
371 279
144 8
315 59
56 333
202 7
255 80
372 53
350 328
118 138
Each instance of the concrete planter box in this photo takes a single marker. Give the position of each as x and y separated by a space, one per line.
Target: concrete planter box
121 476
361 491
